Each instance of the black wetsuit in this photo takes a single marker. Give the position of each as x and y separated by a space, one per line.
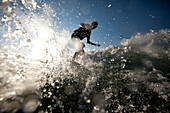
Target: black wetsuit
81 33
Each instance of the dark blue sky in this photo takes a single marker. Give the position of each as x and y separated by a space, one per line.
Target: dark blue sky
115 17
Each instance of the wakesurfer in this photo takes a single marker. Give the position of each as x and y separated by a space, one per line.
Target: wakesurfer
84 31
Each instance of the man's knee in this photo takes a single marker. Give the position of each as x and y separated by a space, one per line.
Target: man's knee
83 45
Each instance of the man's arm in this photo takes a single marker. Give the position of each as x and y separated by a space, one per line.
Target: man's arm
88 41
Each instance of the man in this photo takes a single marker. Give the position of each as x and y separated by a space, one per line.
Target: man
83 32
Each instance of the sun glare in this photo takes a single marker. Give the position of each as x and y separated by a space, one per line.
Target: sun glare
38 49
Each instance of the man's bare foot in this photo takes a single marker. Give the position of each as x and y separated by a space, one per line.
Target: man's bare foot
75 62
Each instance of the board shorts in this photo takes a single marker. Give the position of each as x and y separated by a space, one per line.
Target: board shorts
77 44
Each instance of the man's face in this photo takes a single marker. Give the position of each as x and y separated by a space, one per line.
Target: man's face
94 26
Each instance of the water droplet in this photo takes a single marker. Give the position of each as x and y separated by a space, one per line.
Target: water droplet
88 101
13 93
109 5
97 108
112 60
1 98
44 90
30 104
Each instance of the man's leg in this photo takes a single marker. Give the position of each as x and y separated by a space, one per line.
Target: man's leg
75 55
78 53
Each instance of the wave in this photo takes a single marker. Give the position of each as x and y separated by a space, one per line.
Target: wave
133 77
37 75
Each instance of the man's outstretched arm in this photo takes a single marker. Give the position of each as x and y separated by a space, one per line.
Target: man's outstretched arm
88 41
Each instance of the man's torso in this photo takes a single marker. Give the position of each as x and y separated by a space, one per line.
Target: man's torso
81 33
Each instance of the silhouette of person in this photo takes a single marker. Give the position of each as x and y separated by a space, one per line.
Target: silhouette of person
84 31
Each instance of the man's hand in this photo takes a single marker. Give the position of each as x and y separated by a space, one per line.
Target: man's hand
97 45
88 41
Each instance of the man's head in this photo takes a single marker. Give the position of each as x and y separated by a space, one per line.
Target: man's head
94 24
